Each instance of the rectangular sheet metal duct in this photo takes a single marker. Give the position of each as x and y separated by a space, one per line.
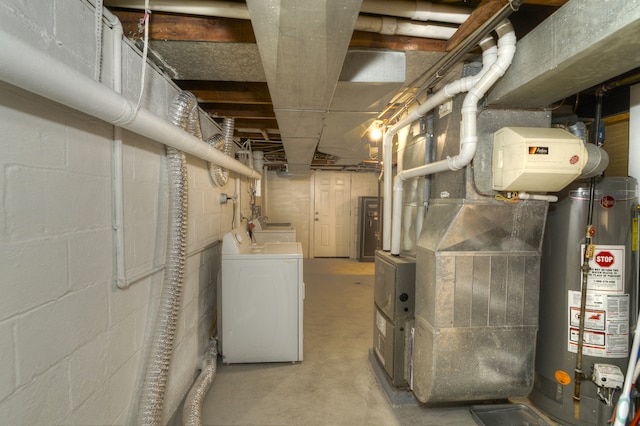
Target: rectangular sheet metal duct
582 44
302 46
477 275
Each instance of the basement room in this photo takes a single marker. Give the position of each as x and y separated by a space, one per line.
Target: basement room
317 212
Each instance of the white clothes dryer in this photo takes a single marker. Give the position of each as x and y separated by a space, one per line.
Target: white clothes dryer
262 300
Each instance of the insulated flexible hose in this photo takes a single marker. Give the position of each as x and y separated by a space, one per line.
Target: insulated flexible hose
192 412
183 113
220 175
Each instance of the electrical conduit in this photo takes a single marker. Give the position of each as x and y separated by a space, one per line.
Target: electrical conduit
121 279
118 186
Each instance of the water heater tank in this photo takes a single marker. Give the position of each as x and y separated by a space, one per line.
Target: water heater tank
536 159
611 303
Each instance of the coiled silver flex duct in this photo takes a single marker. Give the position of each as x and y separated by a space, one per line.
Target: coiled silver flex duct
191 414
220 175
183 114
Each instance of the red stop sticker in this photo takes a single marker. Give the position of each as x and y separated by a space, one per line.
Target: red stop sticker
604 259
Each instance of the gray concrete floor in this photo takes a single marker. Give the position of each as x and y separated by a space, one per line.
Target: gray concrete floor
335 384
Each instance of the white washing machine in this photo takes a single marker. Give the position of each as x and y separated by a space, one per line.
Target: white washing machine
271 233
262 300
274 235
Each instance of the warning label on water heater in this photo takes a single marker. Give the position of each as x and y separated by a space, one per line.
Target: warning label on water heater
606 269
606 324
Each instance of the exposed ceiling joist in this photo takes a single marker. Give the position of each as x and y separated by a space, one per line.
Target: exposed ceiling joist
216 57
232 92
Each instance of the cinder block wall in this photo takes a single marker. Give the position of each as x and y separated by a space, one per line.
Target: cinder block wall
73 344
291 200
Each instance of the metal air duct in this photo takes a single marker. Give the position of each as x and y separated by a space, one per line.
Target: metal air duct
302 47
222 142
477 276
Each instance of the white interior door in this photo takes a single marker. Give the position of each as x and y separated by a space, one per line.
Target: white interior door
332 213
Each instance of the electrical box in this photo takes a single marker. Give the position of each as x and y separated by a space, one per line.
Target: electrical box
536 159
608 376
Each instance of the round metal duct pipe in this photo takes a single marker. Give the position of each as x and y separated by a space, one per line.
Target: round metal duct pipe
222 142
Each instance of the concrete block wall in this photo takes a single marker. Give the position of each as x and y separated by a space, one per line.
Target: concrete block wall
291 200
73 344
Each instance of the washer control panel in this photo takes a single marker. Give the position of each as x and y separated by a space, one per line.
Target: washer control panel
236 241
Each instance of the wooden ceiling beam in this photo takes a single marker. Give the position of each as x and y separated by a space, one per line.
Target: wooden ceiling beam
241 123
530 14
395 42
254 111
556 3
478 17
231 92
174 27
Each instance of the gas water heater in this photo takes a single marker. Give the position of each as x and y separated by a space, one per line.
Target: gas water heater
611 304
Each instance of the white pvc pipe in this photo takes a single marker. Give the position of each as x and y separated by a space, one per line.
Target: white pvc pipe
393 26
118 181
539 197
31 69
411 9
403 135
265 194
415 10
489 56
223 9
118 186
485 79
238 202
624 402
